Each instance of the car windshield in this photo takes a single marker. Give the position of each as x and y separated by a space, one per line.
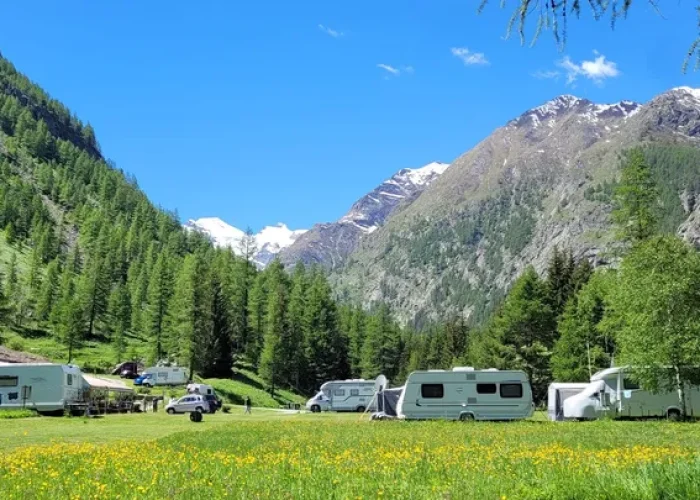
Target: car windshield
319 395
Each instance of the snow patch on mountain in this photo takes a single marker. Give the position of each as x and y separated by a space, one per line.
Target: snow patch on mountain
269 241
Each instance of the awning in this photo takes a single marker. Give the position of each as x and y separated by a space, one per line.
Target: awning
106 384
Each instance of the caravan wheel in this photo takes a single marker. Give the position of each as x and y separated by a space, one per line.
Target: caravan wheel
673 415
315 409
466 417
360 409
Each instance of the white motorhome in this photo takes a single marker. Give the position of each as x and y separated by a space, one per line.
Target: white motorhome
466 394
163 375
202 389
611 393
344 395
559 392
45 387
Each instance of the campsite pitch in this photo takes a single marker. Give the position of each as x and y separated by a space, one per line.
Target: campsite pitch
275 455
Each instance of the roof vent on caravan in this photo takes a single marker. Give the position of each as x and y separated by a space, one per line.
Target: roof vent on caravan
463 369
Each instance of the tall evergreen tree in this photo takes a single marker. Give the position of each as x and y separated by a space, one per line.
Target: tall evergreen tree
48 294
525 327
221 345
636 198
160 289
119 314
274 357
93 289
256 319
381 352
293 340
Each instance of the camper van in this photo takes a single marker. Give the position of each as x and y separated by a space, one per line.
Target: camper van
559 392
466 394
45 387
344 395
611 393
162 375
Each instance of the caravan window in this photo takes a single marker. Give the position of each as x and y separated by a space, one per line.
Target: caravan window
9 381
486 388
69 379
339 392
511 390
434 391
354 392
629 385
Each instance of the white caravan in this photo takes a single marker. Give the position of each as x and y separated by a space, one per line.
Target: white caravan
466 394
163 375
44 387
611 393
558 393
202 389
344 395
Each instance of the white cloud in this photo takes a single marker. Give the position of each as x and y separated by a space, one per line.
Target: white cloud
468 57
390 69
330 32
596 70
408 69
546 75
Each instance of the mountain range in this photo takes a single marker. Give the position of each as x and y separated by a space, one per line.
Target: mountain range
437 241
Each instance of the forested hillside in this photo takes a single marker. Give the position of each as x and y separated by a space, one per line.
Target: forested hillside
91 271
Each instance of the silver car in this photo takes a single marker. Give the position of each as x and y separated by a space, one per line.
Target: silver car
188 404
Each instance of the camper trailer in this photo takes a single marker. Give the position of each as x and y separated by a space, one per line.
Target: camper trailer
162 375
611 393
558 393
466 394
344 395
45 387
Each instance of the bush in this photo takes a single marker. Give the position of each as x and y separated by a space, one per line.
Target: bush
9 414
226 409
16 344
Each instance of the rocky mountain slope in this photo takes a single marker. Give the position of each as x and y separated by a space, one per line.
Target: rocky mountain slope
269 241
541 180
329 244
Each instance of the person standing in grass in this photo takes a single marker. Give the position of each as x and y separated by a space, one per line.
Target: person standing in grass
247 405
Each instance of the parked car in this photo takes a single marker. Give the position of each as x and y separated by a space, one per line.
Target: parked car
128 369
188 404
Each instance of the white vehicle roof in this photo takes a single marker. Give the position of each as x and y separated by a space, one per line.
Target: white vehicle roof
608 371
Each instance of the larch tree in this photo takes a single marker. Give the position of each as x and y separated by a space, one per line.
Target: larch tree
656 300
119 314
274 356
636 198
157 298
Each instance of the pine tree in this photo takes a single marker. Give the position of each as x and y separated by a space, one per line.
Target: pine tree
94 291
381 352
48 295
524 330
158 296
326 348
3 301
293 341
256 319
559 280
274 357
637 199
221 345
13 288
189 313
119 314
583 346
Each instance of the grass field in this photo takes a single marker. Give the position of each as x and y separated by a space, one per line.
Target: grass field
276 455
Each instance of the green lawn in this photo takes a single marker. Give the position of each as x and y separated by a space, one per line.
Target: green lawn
272 454
138 427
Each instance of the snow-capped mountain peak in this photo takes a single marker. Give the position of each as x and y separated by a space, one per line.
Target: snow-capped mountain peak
269 241
423 175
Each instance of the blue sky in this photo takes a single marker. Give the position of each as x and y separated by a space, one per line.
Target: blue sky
277 111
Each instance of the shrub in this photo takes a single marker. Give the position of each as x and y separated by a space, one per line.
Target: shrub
226 409
16 344
8 414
